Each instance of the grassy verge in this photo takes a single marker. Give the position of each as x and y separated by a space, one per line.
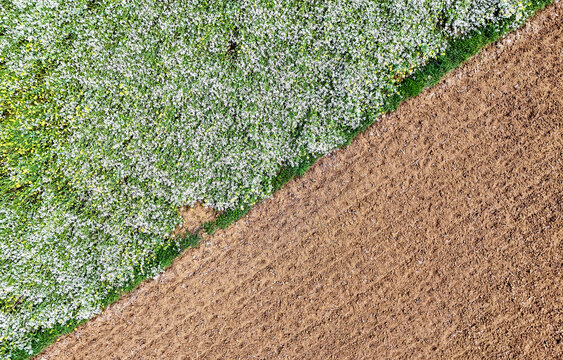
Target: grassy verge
458 52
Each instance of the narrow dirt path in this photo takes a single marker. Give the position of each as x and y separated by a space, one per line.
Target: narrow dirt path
436 234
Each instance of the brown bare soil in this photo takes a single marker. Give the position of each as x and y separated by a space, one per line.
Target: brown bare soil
436 234
193 217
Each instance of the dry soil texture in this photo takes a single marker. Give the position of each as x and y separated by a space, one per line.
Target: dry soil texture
436 234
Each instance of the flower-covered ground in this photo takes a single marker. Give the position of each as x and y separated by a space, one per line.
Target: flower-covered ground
116 113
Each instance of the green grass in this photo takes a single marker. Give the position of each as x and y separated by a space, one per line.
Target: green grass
458 52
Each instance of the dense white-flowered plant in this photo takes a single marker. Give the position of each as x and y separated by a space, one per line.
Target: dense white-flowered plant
117 112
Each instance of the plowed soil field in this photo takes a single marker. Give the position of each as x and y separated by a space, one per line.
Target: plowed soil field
436 234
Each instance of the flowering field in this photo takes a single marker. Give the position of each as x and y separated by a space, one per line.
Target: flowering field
116 113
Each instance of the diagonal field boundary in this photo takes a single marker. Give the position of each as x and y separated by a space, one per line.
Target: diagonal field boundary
435 234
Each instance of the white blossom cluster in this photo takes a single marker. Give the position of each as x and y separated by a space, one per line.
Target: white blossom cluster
165 103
